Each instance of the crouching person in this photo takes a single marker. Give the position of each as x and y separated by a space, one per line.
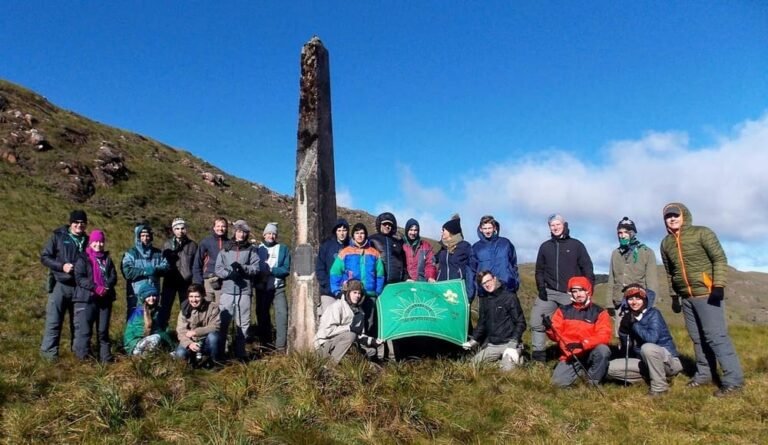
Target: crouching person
143 331
198 327
582 330
344 324
644 333
501 322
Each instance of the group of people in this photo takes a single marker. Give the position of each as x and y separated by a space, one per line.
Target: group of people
214 281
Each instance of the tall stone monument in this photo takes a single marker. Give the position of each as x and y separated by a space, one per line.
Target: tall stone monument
315 192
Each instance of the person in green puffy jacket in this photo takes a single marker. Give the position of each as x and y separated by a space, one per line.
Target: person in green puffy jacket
696 268
143 331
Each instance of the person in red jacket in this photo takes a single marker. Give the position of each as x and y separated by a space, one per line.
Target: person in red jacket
582 330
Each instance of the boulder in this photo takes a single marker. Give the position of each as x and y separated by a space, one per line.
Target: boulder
78 181
109 165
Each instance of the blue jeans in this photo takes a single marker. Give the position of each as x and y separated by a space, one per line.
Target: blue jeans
211 348
706 326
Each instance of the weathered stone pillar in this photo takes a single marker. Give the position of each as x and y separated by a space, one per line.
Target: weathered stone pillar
315 197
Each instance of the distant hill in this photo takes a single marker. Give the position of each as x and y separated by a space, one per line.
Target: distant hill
53 160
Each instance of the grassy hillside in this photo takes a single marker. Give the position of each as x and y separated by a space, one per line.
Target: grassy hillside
293 399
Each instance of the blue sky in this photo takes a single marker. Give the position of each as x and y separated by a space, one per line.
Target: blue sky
517 109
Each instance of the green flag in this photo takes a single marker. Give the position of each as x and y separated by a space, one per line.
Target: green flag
437 310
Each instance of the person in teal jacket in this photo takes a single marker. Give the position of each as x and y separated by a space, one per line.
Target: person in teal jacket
143 332
142 264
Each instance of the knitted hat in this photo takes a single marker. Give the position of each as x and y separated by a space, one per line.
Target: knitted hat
145 290
242 226
581 282
635 290
628 225
453 225
97 235
270 228
178 222
555 217
78 215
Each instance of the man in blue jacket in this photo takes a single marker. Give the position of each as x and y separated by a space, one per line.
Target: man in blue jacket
654 353
329 250
496 254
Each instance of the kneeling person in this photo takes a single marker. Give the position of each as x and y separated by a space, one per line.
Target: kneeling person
644 330
198 327
344 324
501 322
582 330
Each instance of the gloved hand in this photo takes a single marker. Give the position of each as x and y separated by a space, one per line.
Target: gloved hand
366 340
357 323
100 291
237 267
617 304
546 321
149 270
676 307
543 294
467 345
716 296
625 327
571 347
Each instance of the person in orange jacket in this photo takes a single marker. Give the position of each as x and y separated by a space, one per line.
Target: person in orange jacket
582 330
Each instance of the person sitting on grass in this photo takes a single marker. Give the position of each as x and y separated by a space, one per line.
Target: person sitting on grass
143 332
197 327
582 330
501 322
344 324
644 330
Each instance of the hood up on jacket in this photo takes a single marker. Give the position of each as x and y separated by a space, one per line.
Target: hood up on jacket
677 207
386 216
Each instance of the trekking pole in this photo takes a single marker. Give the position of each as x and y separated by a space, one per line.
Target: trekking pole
626 360
584 375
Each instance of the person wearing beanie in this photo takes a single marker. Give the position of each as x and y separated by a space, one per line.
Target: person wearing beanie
419 256
697 270
275 259
559 259
496 254
329 249
142 264
387 241
143 333
582 330
205 259
179 251
631 262
358 261
645 336
96 277
454 259
344 324
237 266
59 255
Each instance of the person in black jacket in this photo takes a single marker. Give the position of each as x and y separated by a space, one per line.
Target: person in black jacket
59 256
96 277
501 323
329 249
560 258
180 253
387 241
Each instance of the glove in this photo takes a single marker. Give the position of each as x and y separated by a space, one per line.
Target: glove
625 327
546 321
357 323
574 346
716 296
616 304
100 291
237 267
543 294
676 307
366 340
149 271
467 345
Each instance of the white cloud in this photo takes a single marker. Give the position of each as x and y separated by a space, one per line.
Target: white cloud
721 184
344 198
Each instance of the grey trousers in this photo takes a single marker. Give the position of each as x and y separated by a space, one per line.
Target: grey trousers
567 372
87 315
491 353
59 303
540 308
235 308
336 347
656 363
711 343
264 300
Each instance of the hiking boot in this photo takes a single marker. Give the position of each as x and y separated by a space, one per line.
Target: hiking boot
695 384
727 390
653 393
539 356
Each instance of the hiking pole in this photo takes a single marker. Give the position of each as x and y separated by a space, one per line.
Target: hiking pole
584 375
626 360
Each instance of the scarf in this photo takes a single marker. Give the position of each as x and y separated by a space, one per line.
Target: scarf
634 245
98 264
452 242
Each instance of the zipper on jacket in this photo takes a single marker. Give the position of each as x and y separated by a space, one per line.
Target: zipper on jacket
682 261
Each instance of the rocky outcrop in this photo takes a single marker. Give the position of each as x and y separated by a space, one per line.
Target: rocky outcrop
109 165
78 181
